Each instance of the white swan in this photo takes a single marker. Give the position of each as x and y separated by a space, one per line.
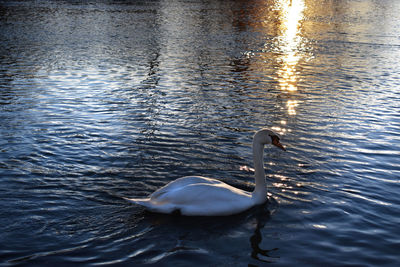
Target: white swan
201 196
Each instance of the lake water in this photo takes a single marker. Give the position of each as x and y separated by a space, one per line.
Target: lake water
101 100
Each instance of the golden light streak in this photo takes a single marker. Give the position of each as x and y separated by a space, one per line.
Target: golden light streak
289 42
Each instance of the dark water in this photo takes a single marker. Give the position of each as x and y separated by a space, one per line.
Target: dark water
103 99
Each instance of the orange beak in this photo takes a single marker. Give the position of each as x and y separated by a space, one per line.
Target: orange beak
275 142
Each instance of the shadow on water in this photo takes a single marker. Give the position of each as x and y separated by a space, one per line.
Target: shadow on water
202 235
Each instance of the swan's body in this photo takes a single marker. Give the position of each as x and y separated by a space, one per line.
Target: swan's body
201 196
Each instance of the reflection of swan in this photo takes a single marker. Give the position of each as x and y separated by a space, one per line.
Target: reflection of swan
200 196
255 240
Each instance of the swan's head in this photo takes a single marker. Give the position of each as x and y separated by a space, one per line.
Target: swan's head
266 136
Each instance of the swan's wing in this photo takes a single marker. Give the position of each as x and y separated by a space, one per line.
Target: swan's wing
181 183
205 199
165 199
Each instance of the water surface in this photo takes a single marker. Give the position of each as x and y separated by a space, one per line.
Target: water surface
101 100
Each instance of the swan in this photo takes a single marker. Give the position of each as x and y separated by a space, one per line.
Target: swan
201 196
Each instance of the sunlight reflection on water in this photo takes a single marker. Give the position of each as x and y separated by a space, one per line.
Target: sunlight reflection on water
289 43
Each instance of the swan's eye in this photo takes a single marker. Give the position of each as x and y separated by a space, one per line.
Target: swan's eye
274 138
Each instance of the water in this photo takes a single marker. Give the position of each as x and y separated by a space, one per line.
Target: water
101 100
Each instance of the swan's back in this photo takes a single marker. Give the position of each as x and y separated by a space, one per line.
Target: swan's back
196 195
183 182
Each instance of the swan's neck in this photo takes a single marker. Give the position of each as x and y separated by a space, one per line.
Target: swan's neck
260 191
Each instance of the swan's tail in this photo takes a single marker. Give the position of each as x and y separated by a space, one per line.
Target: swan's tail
151 205
145 202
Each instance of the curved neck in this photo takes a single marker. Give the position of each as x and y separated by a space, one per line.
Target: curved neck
260 191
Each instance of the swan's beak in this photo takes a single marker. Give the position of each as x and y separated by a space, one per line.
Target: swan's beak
275 142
